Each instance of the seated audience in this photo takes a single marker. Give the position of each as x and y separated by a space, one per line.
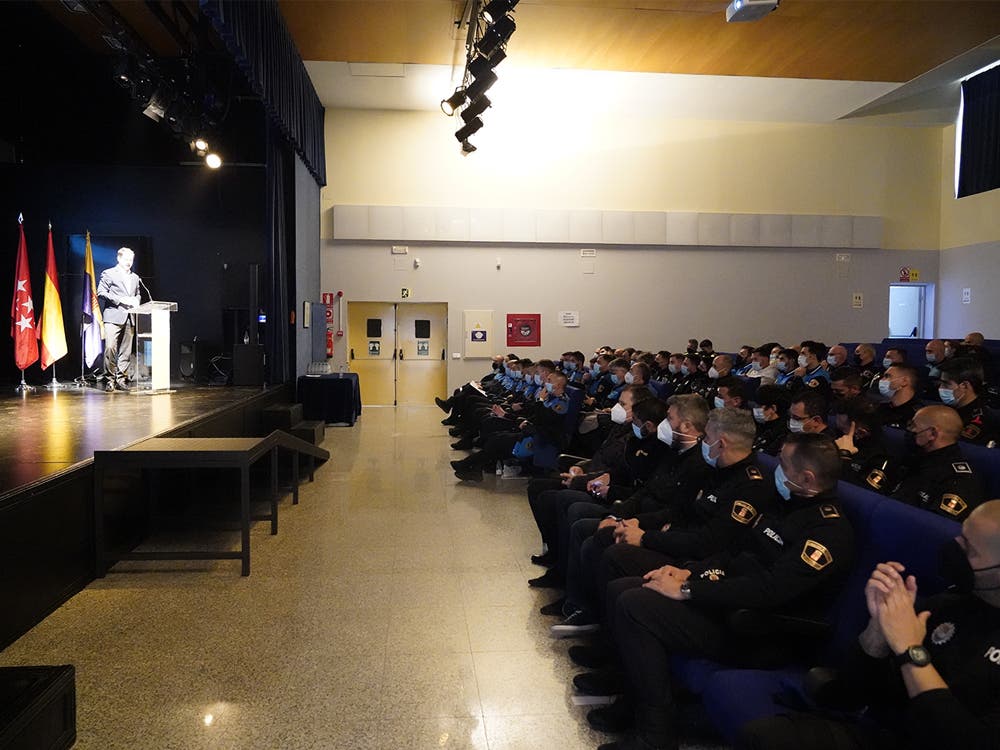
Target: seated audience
771 416
861 443
960 386
899 387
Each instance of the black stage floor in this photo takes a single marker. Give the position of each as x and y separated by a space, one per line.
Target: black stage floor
51 432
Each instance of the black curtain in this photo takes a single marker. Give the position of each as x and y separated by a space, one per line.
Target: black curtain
979 168
280 256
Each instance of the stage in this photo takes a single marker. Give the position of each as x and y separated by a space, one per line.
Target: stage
46 481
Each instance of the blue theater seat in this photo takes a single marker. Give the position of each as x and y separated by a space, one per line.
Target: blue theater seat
985 462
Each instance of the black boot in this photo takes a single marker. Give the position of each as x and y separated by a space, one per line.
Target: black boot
614 718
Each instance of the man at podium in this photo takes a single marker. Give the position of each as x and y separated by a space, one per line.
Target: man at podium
119 288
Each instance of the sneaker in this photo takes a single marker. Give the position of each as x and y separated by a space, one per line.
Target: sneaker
577 623
548 580
599 683
511 471
589 657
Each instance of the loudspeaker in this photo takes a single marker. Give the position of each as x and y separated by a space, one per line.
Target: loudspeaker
248 364
188 361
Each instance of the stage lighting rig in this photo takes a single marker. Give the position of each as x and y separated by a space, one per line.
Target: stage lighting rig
490 28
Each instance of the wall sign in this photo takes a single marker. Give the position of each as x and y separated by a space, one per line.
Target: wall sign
569 318
524 329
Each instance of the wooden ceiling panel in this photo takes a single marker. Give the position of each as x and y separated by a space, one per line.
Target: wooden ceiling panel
859 40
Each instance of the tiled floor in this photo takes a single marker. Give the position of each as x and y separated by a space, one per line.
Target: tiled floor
390 612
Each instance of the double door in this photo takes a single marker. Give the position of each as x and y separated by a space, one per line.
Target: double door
399 351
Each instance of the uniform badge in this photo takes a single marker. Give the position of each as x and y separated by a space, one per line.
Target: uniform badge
743 512
961 467
971 432
714 574
876 479
953 505
814 383
815 555
829 511
712 498
754 473
924 497
641 453
942 633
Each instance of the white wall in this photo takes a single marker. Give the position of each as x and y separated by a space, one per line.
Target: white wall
651 298
976 267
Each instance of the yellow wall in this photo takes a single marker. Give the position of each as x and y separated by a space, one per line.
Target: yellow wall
971 220
627 162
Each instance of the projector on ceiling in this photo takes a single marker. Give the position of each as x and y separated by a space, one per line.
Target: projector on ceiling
749 10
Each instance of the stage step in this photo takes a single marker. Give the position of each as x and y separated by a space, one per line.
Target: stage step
281 416
312 431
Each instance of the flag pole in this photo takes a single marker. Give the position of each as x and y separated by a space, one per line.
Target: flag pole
55 385
24 387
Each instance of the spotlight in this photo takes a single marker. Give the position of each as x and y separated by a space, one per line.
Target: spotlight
467 148
213 161
481 85
496 35
156 106
496 9
200 145
453 102
470 128
476 108
482 64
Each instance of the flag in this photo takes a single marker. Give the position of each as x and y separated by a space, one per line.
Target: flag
93 322
22 308
52 332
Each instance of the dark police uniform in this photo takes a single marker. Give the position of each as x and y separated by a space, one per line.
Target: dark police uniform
897 416
981 426
792 560
963 639
941 481
867 467
771 436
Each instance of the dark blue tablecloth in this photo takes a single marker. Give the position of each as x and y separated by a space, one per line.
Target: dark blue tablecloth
330 398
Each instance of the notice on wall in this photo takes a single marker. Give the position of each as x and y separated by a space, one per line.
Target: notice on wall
374 348
569 318
524 329
423 348
478 336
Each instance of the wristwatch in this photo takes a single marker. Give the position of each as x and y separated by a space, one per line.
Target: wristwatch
917 655
685 590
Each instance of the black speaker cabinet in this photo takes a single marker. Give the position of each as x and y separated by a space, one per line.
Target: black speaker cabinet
188 361
248 364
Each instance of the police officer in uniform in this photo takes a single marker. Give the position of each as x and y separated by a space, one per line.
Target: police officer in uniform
936 476
924 677
791 560
862 447
771 416
960 386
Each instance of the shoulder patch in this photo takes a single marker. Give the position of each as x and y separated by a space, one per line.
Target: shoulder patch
971 431
743 512
814 383
876 479
829 511
641 452
754 473
559 407
815 555
962 467
953 505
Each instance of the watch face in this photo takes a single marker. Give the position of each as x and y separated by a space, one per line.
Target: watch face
919 656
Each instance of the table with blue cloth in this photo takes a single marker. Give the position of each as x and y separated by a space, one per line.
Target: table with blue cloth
330 398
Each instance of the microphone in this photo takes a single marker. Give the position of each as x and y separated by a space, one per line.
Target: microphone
146 288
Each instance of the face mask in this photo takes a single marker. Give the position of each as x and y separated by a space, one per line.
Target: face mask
665 433
673 369
705 449
637 429
857 360
782 366
774 358
569 366
779 483
685 370
758 414
803 360
955 567
538 379
595 370
832 360
549 387
629 378
713 373
496 365
947 395
755 366
885 387
719 403
795 425
518 374
615 380
618 414
931 357
887 363
506 370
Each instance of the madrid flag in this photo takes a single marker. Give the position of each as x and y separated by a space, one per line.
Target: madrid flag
22 309
93 323
52 333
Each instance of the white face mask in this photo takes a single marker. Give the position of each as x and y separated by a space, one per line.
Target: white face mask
629 378
803 360
719 403
665 433
931 357
674 369
713 373
885 387
795 425
758 414
618 415
832 360
887 363
756 366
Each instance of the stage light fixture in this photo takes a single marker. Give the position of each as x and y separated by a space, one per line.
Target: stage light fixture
481 85
476 107
453 102
482 64
156 106
213 161
200 144
470 128
496 36
496 9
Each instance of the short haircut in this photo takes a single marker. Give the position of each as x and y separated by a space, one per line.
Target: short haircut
649 410
648 357
678 356
964 369
765 349
726 359
869 348
848 375
643 369
125 251
734 386
818 349
691 407
580 356
639 393
606 358
664 353
859 410
911 374
526 363
736 424
944 419
773 395
619 363
900 352
705 344
559 376
813 403
817 453
548 364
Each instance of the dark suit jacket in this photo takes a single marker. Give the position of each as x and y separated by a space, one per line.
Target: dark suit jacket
116 285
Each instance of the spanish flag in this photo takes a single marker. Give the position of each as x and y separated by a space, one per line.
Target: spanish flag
92 320
52 332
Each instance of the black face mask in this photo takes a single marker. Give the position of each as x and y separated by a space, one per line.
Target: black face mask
956 569
857 360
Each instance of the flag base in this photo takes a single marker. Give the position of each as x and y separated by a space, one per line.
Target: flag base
24 388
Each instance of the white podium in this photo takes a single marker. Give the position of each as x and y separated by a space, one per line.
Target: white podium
159 338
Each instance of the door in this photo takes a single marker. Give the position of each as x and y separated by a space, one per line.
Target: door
421 341
906 311
371 331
